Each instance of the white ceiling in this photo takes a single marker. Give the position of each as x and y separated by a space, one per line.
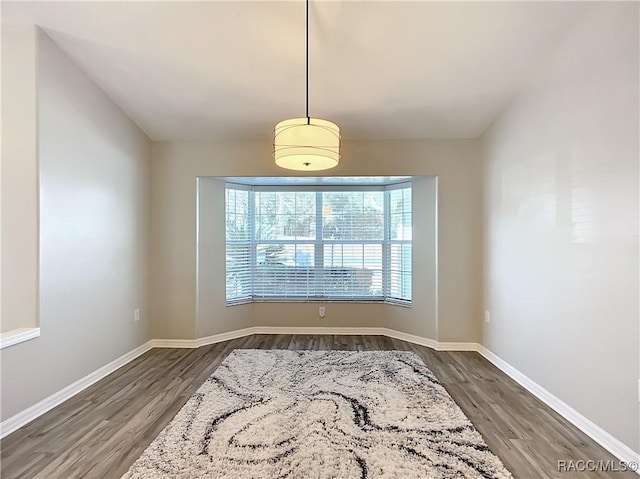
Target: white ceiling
209 70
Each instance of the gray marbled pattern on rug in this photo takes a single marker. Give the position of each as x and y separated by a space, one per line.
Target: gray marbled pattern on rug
319 414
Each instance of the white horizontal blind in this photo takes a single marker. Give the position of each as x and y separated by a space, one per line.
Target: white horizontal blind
315 244
352 244
399 258
284 244
238 245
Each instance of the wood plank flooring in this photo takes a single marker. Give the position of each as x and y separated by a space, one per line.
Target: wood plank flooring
101 431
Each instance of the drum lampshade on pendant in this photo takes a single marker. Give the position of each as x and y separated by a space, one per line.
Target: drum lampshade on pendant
306 144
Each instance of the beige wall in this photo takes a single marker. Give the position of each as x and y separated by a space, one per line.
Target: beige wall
94 225
560 255
177 304
19 187
561 188
422 318
213 316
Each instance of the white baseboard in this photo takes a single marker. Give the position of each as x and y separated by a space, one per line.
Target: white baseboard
365 331
174 343
602 437
411 338
595 432
196 343
372 331
218 338
451 346
24 417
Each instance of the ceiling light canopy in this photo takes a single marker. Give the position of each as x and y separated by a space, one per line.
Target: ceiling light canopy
306 144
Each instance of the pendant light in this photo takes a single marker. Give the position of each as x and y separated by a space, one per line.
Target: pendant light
306 144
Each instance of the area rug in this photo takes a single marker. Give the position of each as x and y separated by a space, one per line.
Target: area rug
319 414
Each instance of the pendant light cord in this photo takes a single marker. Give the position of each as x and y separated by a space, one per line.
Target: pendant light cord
307 60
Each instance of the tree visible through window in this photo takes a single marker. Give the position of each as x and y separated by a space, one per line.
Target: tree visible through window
299 243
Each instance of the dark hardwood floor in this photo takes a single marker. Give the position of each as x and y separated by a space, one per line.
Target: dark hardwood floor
102 430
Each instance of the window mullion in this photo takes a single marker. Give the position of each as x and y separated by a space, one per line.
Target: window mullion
318 250
386 248
252 241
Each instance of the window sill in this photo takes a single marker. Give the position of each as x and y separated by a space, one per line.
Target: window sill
17 336
341 301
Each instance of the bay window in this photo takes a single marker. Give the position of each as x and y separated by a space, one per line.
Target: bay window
318 243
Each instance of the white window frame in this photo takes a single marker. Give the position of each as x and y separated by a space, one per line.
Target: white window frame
319 244
386 268
252 262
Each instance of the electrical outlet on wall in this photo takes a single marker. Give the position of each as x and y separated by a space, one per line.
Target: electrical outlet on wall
322 311
136 315
487 317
